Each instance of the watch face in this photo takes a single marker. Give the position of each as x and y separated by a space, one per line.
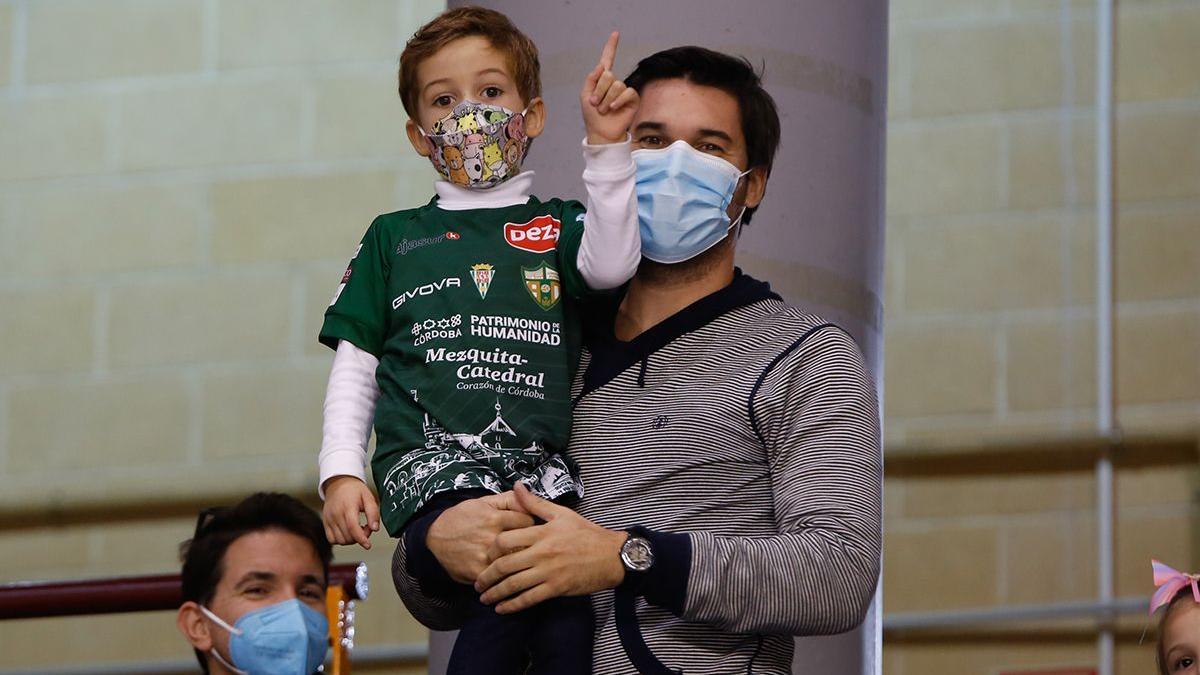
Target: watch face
637 555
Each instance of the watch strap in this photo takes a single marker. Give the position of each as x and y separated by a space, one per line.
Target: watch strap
665 584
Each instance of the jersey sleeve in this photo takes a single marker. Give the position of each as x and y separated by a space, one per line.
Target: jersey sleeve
570 237
358 311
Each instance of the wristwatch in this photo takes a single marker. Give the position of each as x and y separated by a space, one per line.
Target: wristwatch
637 555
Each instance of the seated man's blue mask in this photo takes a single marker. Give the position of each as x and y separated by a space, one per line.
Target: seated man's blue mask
288 638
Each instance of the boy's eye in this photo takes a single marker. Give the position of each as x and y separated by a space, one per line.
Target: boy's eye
442 101
710 148
492 92
650 141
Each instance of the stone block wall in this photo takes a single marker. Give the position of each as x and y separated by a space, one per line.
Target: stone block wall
990 317
181 184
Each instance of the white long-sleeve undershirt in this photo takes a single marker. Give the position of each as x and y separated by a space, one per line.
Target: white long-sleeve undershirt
608 256
349 411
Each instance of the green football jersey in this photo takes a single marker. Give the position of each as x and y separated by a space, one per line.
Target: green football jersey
471 315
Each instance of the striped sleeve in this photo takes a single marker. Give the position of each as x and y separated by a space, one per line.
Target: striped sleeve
816 413
438 613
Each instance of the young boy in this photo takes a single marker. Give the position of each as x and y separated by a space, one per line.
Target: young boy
454 324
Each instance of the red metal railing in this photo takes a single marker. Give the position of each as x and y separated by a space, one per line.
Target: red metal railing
29 600
39 599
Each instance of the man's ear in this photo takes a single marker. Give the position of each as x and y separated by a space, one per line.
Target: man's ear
756 186
194 626
419 142
535 117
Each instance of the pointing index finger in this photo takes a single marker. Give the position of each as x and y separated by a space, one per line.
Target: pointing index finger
609 54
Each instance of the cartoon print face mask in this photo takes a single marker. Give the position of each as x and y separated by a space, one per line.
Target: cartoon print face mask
478 145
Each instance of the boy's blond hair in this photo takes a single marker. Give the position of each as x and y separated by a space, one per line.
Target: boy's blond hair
463 22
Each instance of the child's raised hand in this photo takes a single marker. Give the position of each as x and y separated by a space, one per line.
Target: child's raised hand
345 498
608 105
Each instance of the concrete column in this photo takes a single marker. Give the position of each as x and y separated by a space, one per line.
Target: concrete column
818 236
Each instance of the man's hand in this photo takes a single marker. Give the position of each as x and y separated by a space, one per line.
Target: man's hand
568 555
462 535
345 498
608 105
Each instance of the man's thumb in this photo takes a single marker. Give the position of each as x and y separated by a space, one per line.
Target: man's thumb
533 504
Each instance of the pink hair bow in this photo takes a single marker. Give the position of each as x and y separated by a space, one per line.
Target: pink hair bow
1169 582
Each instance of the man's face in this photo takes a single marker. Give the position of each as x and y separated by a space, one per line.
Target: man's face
707 118
259 569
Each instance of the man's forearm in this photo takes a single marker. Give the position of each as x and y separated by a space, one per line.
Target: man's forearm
793 584
435 611
809 583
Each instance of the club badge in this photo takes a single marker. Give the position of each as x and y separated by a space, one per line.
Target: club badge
543 285
482 275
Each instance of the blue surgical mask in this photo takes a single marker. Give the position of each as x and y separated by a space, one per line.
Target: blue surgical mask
289 638
683 196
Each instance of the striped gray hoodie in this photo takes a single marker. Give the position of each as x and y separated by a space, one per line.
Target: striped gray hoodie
742 435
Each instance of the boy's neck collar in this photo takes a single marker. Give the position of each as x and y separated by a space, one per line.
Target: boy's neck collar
512 192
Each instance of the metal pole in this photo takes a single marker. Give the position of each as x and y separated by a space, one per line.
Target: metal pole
963 618
1105 396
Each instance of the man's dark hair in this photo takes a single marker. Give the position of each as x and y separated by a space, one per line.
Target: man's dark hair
733 75
216 529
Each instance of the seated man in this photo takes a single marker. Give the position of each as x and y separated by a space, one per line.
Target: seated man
729 443
254 578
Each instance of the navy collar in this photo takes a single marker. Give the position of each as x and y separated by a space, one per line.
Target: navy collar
610 356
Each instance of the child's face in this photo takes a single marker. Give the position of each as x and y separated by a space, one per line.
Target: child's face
467 68
1181 639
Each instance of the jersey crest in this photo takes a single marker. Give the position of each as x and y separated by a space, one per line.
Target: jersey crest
543 285
482 275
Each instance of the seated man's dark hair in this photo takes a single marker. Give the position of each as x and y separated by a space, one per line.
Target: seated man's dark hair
733 75
217 528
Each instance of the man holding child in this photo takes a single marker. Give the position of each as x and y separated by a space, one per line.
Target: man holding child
726 445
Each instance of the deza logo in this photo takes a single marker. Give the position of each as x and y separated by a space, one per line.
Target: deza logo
537 236
425 289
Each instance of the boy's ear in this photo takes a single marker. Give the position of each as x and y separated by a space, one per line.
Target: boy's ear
191 623
419 143
535 117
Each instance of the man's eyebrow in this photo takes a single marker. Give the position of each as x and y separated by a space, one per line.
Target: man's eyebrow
716 133
312 579
255 576
650 126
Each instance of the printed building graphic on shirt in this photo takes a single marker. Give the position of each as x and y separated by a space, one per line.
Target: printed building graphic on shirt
458 457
